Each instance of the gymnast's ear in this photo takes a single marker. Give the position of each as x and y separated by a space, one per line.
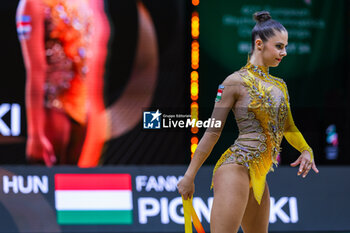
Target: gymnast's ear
259 44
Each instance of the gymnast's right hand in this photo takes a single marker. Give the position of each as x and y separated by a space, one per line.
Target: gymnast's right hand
39 148
186 187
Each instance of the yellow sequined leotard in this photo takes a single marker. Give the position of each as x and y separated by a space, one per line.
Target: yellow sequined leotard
260 103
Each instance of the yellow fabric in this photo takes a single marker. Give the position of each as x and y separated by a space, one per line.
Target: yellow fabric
264 111
294 137
189 213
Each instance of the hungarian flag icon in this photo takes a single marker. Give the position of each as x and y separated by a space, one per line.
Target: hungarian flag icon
100 199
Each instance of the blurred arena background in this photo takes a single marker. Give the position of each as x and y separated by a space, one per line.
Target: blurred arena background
198 43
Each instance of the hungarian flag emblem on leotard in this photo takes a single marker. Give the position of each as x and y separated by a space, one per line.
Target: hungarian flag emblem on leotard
219 94
24 27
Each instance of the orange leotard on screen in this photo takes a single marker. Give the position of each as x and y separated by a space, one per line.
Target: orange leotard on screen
67 39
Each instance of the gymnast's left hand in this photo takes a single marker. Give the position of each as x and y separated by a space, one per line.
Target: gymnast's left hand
305 164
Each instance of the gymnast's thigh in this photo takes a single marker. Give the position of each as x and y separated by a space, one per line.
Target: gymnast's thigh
256 217
231 192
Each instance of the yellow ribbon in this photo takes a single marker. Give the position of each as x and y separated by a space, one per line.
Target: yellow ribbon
189 213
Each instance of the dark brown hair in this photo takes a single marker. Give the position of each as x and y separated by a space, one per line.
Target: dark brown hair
265 27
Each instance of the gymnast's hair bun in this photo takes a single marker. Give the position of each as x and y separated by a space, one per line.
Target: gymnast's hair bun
261 16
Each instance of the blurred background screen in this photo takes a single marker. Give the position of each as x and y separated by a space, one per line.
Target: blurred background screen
146 69
315 68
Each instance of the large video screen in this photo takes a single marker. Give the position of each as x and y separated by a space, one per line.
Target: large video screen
78 77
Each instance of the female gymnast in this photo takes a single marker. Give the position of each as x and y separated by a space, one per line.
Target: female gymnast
260 103
64 45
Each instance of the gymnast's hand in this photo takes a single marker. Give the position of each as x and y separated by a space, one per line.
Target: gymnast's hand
39 148
186 187
305 164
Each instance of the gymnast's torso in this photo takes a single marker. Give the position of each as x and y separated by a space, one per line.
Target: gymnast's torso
260 114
